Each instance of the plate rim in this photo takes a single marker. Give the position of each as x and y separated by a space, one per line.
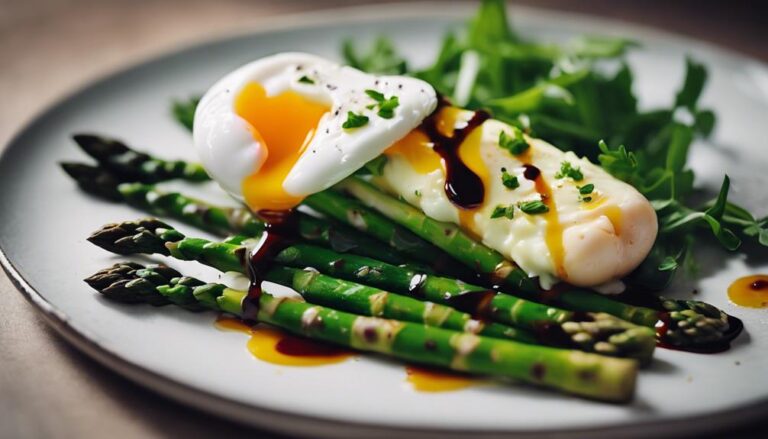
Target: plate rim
275 420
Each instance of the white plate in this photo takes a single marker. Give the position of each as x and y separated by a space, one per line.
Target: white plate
44 219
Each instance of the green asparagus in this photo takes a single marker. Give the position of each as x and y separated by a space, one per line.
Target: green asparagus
360 299
131 165
221 220
700 327
579 373
600 333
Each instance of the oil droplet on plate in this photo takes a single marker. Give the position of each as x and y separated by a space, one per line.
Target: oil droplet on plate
750 291
424 379
277 347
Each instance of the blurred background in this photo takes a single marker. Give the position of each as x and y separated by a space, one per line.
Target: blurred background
49 48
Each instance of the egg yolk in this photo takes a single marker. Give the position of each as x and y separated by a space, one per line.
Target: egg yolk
283 125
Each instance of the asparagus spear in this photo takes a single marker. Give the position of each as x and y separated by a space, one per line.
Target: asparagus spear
354 214
360 299
217 219
600 333
579 373
132 165
703 324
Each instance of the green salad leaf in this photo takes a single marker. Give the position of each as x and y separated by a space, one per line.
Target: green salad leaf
579 96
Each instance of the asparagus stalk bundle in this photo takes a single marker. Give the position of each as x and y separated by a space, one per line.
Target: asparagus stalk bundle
217 219
692 323
600 333
119 159
696 323
588 375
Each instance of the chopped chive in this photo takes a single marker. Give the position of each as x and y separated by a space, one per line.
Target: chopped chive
354 121
586 189
503 212
533 207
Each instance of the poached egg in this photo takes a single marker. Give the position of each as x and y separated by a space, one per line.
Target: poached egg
273 131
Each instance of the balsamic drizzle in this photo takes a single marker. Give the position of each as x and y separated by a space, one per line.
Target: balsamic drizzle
463 187
281 229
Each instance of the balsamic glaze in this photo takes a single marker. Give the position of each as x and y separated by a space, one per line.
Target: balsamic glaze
462 186
665 323
531 172
281 227
302 347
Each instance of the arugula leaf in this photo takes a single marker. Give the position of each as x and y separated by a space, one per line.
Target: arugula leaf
380 57
695 78
184 111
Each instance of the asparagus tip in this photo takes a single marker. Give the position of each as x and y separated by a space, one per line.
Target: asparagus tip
98 147
147 235
93 180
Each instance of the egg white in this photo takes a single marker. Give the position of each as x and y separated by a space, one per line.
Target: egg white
230 154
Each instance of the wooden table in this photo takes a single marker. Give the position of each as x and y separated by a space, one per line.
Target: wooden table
50 47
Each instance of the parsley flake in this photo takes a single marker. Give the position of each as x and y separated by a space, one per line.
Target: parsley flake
568 171
503 212
354 121
306 80
508 180
514 144
533 207
586 189
386 105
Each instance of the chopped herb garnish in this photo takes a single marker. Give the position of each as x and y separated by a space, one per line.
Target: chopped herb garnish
533 207
417 193
568 171
515 144
586 189
386 105
508 180
354 121
375 95
503 212
306 80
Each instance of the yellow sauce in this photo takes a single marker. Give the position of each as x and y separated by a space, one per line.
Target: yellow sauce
416 148
270 345
432 380
554 229
750 291
284 124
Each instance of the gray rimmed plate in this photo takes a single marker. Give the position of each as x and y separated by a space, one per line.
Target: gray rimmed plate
44 220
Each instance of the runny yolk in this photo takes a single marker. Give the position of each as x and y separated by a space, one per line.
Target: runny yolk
284 125
416 148
554 231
